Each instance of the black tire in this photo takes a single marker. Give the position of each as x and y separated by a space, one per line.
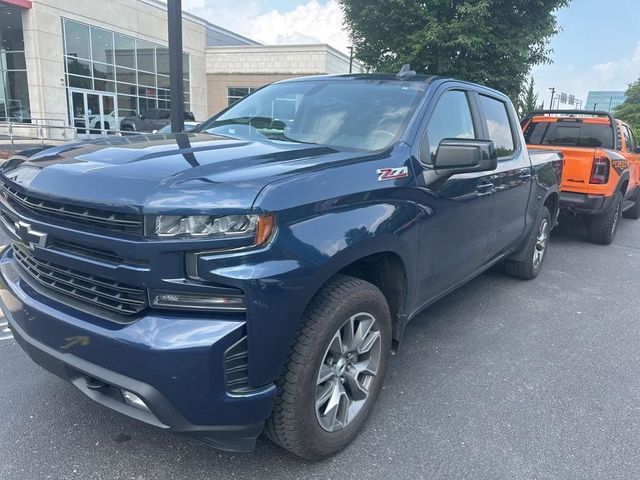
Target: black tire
602 228
634 212
294 424
535 251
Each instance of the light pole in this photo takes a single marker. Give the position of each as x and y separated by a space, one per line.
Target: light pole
350 58
176 85
553 91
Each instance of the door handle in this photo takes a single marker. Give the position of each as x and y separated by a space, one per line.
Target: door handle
524 176
485 188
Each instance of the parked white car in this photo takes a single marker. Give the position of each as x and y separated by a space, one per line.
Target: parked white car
110 121
188 126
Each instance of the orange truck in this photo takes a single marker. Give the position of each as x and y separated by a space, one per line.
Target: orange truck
601 180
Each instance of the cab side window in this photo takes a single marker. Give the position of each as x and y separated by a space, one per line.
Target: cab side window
629 140
451 118
498 125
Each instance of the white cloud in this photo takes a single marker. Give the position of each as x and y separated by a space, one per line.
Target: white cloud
311 22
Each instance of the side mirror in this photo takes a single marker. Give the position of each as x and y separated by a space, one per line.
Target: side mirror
460 155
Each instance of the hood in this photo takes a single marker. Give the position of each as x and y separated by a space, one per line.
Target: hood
166 173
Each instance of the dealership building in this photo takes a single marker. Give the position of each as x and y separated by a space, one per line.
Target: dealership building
66 61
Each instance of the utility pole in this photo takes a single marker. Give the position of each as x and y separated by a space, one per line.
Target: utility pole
350 58
176 84
553 91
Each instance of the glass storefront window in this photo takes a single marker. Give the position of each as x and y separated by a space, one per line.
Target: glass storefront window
162 60
76 66
101 45
136 70
163 82
17 96
146 55
76 38
11 38
104 85
125 51
147 79
101 70
13 61
80 82
14 92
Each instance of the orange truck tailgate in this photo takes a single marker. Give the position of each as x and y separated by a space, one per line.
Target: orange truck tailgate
578 163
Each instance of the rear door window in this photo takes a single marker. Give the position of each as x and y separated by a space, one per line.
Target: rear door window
498 125
569 133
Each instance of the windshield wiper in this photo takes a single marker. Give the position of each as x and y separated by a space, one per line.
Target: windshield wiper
283 137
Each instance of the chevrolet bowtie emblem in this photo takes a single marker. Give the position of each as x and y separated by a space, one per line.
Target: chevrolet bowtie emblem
29 237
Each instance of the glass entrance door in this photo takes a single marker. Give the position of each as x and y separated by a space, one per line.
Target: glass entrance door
92 113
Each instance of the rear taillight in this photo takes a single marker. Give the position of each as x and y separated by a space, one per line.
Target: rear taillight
600 171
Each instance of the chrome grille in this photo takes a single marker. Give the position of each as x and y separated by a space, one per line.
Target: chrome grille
124 222
97 291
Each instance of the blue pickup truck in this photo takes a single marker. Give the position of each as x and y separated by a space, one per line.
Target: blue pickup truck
258 273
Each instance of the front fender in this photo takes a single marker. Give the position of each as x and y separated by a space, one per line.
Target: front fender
280 281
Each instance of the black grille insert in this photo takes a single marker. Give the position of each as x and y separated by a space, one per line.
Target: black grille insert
123 222
97 291
236 367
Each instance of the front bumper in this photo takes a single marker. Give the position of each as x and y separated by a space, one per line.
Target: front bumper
174 364
583 204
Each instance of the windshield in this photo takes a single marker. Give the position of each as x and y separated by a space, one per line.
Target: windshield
358 114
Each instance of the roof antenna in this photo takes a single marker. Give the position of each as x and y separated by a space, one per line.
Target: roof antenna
406 72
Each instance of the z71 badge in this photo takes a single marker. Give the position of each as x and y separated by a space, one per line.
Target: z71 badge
392 173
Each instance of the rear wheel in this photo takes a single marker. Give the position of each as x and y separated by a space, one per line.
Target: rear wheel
536 250
602 228
335 370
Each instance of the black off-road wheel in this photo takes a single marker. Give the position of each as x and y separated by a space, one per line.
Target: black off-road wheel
536 249
335 370
602 228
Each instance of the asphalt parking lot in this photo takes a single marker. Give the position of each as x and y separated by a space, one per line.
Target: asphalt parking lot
503 379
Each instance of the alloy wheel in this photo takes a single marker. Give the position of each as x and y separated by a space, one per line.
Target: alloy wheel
347 372
541 243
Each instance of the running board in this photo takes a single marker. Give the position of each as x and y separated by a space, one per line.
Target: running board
627 204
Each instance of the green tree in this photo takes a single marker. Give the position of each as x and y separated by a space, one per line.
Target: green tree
529 98
629 111
492 42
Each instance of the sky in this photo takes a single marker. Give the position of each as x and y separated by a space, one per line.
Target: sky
597 49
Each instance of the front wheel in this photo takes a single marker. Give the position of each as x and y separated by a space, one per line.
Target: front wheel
536 249
335 371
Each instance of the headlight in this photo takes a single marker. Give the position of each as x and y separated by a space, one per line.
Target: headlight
260 227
